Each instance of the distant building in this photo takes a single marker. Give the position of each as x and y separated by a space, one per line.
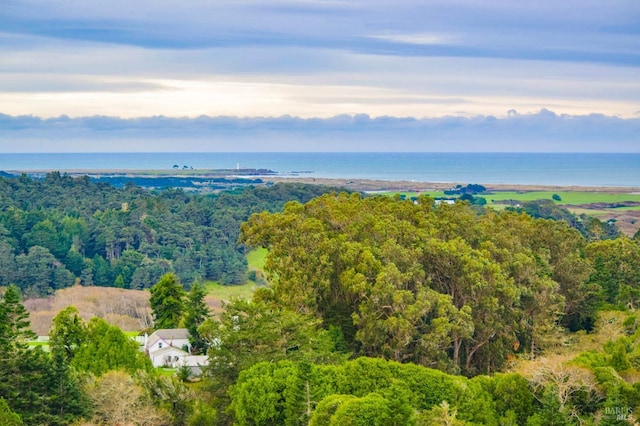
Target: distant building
171 348
174 337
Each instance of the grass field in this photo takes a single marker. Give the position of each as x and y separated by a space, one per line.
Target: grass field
590 203
228 292
256 259
566 197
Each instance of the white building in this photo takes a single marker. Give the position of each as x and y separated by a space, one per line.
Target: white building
169 337
171 348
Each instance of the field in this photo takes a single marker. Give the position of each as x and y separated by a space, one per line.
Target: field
255 259
617 204
566 197
228 292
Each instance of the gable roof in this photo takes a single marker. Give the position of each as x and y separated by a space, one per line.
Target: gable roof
170 333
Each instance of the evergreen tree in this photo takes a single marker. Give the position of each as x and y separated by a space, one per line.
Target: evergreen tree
167 302
68 332
14 323
68 402
551 414
8 417
196 312
108 348
40 389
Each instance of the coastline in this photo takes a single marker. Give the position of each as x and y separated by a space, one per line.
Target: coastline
372 185
627 217
628 221
363 185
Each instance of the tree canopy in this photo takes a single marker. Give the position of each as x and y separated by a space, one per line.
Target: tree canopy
61 230
167 302
441 286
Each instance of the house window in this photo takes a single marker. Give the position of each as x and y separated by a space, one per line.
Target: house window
159 345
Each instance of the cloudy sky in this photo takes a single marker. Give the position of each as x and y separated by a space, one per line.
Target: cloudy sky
565 74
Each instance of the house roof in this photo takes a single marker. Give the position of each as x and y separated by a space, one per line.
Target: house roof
170 333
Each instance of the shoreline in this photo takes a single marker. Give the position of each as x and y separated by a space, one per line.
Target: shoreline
628 220
373 185
364 185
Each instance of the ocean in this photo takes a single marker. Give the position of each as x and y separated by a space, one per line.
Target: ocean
498 168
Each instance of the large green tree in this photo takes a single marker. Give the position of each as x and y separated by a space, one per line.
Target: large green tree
40 388
196 312
68 333
107 348
15 325
251 332
615 271
167 302
442 285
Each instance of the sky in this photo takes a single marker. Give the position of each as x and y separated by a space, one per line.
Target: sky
375 75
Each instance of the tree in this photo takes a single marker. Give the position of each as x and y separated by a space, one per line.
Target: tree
68 401
108 348
250 332
117 399
40 388
167 302
40 273
14 324
8 417
559 388
615 270
441 415
402 280
326 408
196 312
8 267
169 394
68 333
372 409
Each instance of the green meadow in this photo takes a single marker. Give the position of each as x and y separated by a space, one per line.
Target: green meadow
568 198
229 292
255 259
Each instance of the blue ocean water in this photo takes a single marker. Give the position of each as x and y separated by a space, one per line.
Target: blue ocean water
515 168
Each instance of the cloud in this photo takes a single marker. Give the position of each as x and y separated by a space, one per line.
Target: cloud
544 131
541 30
20 83
318 58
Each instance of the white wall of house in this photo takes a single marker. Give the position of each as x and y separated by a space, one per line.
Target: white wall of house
162 343
168 357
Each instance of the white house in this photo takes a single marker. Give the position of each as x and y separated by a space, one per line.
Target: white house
173 337
171 348
168 357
